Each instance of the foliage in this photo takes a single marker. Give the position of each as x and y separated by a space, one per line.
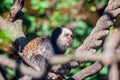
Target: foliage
40 20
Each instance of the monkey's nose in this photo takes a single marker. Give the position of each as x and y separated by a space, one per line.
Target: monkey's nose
70 40
70 37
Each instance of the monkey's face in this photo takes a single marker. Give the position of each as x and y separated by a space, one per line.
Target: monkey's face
65 39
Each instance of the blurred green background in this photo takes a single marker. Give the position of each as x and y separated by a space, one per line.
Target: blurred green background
42 16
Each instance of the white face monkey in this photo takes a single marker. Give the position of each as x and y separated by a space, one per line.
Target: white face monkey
61 39
43 48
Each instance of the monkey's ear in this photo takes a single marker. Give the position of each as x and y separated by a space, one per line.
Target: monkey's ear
56 32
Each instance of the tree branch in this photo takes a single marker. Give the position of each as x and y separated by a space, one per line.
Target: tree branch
110 54
20 66
15 10
102 24
14 27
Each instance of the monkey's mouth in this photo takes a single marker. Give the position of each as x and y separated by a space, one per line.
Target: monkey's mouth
69 42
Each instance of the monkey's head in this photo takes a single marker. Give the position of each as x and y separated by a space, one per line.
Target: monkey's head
62 38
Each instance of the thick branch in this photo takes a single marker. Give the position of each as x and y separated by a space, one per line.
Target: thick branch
110 54
16 8
23 68
102 24
91 42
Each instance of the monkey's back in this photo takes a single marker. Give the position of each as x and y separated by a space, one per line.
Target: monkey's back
38 51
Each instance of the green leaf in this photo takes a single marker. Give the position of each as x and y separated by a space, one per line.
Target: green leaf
81 24
33 25
5 35
88 1
76 43
58 18
68 50
31 18
46 26
24 10
104 70
93 77
81 27
93 9
97 1
41 11
104 2
5 5
39 33
35 4
44 4
10 72
75 70
99 50
88 64
8 3
111 29
46 29
5 55
80 31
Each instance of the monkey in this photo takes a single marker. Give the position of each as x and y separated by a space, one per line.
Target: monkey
41 49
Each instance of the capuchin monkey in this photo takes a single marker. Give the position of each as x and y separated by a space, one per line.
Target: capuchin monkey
41 49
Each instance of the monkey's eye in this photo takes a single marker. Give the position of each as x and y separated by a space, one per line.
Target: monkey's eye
66 35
